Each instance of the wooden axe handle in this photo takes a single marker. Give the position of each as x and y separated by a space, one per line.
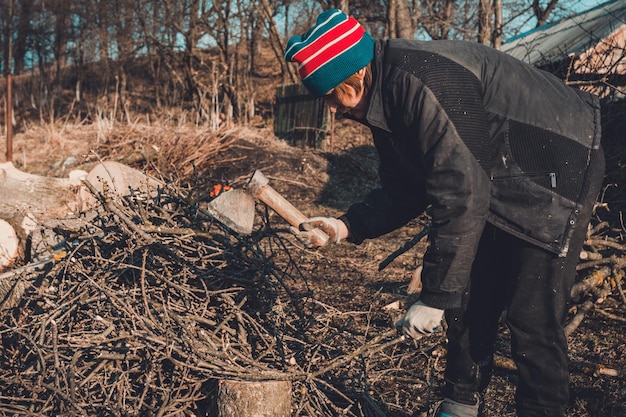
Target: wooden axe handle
259 187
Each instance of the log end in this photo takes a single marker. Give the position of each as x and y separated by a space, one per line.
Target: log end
233 398
9 244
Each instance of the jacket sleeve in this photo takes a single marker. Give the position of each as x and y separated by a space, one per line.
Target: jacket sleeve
459 191
399 199
447 122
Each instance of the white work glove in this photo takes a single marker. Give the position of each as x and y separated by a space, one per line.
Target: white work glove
307 235
420 320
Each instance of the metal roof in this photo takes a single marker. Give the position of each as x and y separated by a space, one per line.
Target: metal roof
572 35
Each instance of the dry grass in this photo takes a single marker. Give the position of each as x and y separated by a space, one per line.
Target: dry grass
171 147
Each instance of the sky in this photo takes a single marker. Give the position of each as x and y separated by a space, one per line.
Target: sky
575 6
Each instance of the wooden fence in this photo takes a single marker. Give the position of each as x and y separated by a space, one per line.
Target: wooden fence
301 119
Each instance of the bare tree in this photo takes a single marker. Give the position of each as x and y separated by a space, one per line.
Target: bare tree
490 23
24 30
6 17
497 24
276 41
542 14
484 22
102 22
202 54
399 21
60 11
343 5
437 17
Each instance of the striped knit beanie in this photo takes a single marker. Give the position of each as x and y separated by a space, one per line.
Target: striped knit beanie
336 47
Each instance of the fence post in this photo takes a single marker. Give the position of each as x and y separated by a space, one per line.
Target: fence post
8 114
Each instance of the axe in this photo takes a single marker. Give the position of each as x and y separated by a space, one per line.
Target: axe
235 208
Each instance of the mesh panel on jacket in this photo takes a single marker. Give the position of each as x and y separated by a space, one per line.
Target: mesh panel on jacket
458 91
549 159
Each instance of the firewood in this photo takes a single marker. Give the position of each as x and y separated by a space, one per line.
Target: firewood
36 194
587 306
8 244
581 367
31 200
595 279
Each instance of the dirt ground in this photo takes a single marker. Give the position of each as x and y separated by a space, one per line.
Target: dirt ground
346 278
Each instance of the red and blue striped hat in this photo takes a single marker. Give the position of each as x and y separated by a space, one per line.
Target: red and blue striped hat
336 47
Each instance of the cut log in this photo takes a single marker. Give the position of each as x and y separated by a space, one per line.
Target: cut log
253 398
115 178
8 244
50 197
38 195
29 201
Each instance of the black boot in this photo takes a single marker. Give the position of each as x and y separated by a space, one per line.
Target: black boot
451 408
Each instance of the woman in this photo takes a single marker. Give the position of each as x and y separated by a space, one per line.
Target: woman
507 160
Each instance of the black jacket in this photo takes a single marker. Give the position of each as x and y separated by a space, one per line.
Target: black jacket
479 137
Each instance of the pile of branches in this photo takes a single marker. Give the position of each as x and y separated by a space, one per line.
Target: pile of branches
149 299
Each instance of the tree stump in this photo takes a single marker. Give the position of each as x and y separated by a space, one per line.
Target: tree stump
253 398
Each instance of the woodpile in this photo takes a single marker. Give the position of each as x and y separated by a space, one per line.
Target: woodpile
148 306
602 270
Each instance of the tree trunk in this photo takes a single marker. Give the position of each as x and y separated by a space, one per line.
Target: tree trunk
278 46
497 24
405 28
484 26
344 6
543 14
30 200
391 26
24 29
252 399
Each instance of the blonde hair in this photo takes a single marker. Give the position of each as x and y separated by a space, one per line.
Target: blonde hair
354 82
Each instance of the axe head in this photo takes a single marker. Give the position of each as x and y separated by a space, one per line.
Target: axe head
234 209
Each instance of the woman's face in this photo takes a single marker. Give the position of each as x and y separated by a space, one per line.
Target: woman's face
352 101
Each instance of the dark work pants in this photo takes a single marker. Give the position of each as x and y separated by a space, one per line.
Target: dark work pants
532 286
